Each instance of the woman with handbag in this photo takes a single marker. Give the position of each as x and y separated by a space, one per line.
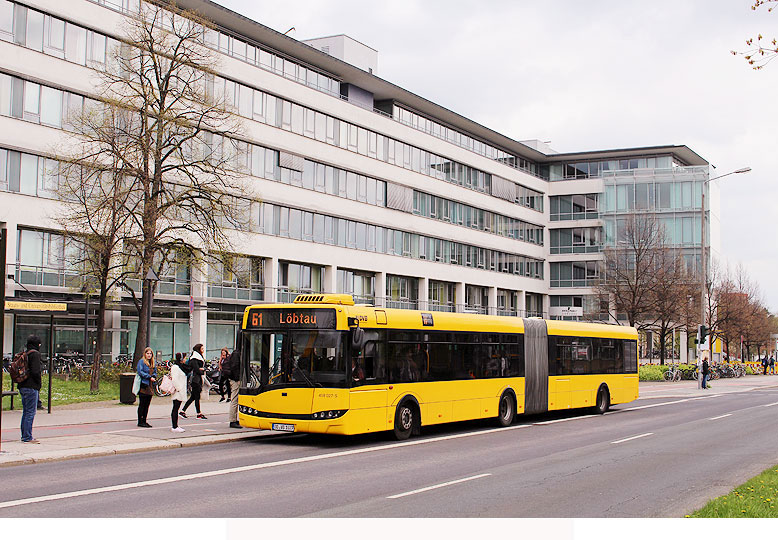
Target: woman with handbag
147 372
178 372
197 363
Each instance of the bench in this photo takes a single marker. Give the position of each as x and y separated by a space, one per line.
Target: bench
11 394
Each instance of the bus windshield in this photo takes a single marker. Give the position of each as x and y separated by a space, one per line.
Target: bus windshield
296 358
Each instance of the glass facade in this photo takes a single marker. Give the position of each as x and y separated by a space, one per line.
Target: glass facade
442 295
574 273
576 240
598 168
361 285
402 292
298 278
568 207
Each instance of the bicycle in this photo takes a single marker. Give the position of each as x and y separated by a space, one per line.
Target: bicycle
673 373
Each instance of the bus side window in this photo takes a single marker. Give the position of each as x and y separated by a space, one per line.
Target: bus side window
374 362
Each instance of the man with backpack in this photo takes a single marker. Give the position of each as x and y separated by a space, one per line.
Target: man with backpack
30 387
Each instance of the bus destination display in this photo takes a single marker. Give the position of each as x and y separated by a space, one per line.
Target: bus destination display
291 318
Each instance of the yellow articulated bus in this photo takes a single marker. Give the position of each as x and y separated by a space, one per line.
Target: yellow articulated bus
325 365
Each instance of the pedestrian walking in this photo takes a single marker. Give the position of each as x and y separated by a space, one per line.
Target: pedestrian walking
147 371
765 364
178 372
705 373
233 374
30 387
772 365
197 364
224 380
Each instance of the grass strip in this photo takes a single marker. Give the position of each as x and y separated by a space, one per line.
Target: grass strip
65 392
757 498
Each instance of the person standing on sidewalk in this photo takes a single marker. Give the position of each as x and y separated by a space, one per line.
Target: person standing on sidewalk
147 370
178 372
233 373
197 363
705 372
30 387
224 380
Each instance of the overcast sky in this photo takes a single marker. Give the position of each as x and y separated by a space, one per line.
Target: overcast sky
587 75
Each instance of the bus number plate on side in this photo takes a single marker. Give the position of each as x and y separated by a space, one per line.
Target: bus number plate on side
283 427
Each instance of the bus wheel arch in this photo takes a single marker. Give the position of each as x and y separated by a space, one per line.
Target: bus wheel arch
407 418
506 408
603 402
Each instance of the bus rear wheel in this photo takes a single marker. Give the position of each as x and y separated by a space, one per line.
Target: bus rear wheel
603 400
404 418
506 410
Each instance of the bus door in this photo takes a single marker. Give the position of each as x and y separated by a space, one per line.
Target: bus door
369 394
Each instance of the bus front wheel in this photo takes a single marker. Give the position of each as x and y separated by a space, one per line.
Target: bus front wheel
603 400
404 418
506 410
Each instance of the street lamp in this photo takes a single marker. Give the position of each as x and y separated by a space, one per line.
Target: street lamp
704 280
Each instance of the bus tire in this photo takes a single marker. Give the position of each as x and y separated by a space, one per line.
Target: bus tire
506 410
404 420
603 402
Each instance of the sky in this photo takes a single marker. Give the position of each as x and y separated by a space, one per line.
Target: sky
591 75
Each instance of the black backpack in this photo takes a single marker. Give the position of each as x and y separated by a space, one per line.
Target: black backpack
19 369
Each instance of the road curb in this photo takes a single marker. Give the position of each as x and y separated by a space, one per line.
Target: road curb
11 460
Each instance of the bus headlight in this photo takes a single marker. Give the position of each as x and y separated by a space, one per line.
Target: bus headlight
327 415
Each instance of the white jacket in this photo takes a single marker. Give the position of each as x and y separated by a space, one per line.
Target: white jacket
179 381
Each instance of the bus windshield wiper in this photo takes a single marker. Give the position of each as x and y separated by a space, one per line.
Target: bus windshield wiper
309 381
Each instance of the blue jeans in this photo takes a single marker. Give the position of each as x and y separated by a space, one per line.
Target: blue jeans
704 380
29 405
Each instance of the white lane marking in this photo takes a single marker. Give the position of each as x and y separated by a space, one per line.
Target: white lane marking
669 403
631 438
445 484
718 417
770 404
246 468
565 419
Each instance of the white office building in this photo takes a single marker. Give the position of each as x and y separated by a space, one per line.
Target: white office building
362 187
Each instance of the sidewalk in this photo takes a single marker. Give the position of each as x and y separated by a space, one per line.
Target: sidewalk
107 428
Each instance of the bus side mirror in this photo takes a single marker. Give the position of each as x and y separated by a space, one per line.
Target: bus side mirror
357 338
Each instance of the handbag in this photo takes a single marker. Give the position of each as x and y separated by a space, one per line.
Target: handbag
136 385
166 386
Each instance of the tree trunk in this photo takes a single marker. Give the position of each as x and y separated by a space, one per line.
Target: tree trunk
94 385
141 338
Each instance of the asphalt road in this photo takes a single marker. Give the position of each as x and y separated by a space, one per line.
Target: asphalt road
661 457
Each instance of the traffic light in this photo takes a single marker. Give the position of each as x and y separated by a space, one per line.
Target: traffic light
702 333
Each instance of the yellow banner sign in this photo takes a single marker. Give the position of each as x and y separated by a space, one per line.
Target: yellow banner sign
35 306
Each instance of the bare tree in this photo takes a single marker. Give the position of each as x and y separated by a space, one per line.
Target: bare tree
669 292
163 128
96 219
628 276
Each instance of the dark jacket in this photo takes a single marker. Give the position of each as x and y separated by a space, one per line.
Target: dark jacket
232 366
705 368
195 364
34 366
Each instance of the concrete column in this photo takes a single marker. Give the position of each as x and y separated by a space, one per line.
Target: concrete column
113 319
8 331
546 306
492 309
521 303
271 280
459 294
380 289
331 279
198 333
424 293
684 350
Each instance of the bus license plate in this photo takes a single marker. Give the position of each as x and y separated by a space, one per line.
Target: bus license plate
283 427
